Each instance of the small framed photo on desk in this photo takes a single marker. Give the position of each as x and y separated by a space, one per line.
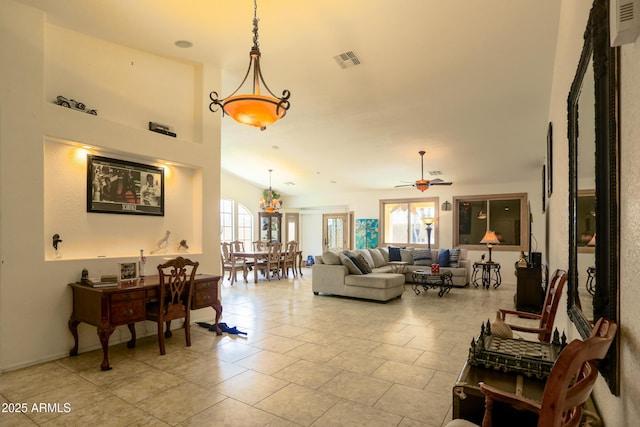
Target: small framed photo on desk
127 271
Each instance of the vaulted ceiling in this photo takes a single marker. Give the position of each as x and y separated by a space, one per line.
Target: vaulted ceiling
467 81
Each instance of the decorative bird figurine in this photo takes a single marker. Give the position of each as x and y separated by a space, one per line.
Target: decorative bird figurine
161 247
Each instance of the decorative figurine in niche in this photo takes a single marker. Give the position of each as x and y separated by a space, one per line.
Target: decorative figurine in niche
56 242
74 105
182 246
161 247
85 276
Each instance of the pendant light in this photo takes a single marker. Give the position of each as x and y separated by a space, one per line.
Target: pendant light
253 109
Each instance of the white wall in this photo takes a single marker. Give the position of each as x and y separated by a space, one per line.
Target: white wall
37 62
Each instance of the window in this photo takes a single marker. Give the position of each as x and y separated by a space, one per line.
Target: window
226 220
245 226
403 221
236 223
505 214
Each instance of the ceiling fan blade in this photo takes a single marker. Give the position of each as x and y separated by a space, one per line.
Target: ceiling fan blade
439 183
406 185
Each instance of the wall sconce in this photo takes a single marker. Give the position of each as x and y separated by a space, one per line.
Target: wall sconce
446 206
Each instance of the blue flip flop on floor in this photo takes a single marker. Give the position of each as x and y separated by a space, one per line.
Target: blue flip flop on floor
223 327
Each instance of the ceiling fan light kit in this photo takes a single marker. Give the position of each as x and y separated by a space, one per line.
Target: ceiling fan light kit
423 184
253 109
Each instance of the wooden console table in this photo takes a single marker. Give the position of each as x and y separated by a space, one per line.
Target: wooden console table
107 308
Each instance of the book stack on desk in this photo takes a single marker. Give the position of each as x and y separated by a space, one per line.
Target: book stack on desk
104 282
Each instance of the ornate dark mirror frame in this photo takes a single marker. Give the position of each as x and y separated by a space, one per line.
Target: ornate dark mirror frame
606 67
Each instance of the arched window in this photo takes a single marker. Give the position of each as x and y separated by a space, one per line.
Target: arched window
236 222
245 226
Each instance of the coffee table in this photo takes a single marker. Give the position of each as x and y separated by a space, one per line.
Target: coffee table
429 280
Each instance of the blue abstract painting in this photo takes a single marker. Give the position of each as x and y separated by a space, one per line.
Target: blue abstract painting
367 232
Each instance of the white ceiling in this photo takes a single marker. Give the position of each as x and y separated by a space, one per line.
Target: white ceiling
467 81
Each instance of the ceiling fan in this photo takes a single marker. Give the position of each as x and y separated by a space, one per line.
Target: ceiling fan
422 184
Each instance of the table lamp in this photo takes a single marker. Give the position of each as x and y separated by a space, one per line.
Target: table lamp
490 239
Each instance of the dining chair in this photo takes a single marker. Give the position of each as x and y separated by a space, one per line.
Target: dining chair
238 246
568 386
230 263
174 301
549 309
271 264
289 257
258 246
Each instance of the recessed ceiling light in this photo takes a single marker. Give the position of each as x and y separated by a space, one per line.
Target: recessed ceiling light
183 43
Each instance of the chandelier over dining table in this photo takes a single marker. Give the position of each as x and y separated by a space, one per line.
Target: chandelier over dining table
253 109
271 201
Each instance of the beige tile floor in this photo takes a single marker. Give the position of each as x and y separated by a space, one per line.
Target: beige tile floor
306 361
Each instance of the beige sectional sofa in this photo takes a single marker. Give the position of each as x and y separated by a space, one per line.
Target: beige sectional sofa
338 273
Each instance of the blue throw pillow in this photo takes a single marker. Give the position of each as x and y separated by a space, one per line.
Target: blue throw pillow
394 254
443 258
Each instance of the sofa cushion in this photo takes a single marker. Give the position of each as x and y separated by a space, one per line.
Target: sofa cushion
378 259
422 257
351 266
443 258
406 255
394 254
454 255
330 258
385 254
360 261
367 257
375 280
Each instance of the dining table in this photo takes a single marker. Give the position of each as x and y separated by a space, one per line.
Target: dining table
257 256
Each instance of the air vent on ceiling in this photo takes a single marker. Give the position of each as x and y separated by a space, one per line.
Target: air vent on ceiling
347 59
435 173
624 21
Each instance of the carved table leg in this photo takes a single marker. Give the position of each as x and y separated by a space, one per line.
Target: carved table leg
132 342
73 327
218 308
104 335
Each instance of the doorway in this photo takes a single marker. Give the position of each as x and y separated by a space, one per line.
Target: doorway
335 232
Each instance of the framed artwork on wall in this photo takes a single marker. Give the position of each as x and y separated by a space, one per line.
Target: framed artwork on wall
544 193
550 159
122 187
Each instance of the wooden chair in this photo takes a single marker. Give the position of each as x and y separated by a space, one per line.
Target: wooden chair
272 263
230 263
568 387
289 257
238 246
174 302
258 246
549 309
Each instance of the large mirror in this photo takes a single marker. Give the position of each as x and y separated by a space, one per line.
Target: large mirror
593 131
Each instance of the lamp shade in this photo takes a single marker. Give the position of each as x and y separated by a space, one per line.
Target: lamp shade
592 242
254 110
490 238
